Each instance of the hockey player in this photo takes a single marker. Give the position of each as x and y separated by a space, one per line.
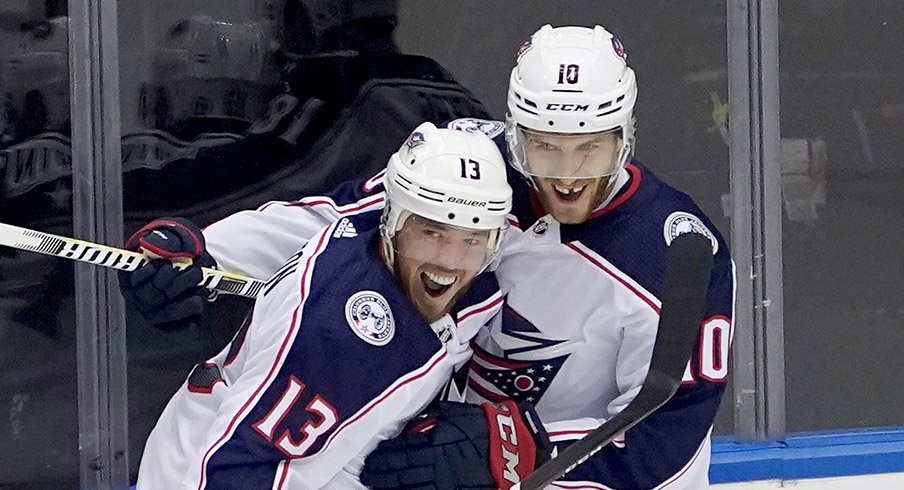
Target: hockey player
582 270
343 74
593 227
351 338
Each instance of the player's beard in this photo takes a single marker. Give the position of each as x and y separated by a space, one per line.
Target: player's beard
580 208
411 278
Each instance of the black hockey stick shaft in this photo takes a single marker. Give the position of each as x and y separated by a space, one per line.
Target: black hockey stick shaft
688 267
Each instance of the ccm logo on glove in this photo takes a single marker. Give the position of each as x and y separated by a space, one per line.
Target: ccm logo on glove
508 460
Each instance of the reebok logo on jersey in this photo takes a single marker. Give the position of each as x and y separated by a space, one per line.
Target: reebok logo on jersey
345 229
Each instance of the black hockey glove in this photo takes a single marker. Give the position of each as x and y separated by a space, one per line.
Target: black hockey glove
166 295
461 446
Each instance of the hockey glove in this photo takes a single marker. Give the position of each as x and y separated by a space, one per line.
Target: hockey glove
166 295
461 446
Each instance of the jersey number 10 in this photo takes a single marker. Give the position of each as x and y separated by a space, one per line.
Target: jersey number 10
715 341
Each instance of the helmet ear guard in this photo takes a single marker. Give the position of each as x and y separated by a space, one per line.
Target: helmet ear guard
450 177
571 80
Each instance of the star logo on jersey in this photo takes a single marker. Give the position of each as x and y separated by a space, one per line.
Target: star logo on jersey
369 316
525 379
496 378
345 229
514 325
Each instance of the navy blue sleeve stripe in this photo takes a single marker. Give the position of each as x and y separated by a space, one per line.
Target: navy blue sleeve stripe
371 183
366 204
491 302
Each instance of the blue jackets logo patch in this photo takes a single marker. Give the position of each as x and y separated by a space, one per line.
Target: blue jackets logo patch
680 222
495 378
370 317
416 139
471 125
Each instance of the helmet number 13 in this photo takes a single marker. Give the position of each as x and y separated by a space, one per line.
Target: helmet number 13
470 169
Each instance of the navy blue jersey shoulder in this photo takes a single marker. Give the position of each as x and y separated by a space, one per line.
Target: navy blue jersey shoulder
633 234
353 191
495 130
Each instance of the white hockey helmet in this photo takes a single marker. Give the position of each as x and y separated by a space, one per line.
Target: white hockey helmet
450 177
571 80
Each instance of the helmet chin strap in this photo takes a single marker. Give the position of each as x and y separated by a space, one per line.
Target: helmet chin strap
615 184
391 222
386 251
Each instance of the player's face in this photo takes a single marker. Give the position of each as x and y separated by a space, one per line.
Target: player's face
573 172
435 263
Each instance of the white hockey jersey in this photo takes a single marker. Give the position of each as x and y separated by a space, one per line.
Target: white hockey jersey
333 359
578 324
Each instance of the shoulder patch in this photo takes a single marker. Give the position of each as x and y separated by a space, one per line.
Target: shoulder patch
472 125
681 222
370 317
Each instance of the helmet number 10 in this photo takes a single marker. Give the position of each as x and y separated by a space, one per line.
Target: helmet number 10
568 74
470 169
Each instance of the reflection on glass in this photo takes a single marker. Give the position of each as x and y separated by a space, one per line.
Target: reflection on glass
38 389
227 105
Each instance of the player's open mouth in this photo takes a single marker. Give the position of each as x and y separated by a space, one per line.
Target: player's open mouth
568 193
437 284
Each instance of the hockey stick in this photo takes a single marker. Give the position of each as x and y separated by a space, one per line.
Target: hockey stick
687 271
116 258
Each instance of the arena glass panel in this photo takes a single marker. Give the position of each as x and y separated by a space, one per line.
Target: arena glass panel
842 116
39 440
